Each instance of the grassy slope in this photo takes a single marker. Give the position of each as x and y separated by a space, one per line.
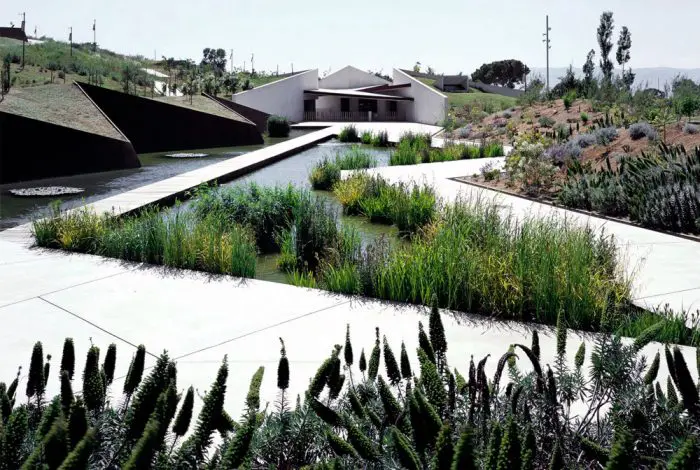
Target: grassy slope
458 100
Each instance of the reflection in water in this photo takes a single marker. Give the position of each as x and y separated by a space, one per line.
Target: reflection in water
155 167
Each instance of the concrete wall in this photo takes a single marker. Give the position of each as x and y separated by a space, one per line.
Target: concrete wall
429 105
32 149
350 77
154 126
283 98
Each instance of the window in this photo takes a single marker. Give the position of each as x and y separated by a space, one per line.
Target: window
368 105
344 105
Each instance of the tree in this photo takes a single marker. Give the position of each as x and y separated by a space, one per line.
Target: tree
5 74
588 70
416 67
624 44
214 59
230 83
568 83
605 32
128 78
503 72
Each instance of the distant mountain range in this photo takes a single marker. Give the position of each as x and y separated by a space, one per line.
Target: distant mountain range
651 77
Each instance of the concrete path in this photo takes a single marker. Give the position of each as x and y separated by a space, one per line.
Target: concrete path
665 269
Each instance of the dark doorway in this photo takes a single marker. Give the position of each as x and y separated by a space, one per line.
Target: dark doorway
368 105
344 105
393 106
309 106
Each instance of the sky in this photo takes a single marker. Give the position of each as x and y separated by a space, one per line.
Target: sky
448 35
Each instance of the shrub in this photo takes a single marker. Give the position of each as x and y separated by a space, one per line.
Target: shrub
583 141
324 174
464 132
546 121
529 167
278 126
380 139
584 118
349 134
489 172
643 129
366 137
500 123
605 135
689 128
506 115
562 153
569 99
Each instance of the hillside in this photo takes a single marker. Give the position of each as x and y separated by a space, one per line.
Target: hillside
474 97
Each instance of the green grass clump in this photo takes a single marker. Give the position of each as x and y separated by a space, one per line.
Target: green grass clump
327 172
366 137
349 134
380 139
409 207
278 126
174 239
413 149
267 210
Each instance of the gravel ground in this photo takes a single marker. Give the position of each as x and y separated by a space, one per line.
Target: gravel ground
201 103
64 105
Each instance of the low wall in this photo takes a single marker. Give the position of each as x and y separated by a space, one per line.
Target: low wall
32 149
254 115
153 126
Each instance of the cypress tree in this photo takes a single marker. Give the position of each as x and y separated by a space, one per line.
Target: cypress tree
535 344
79 457
374 358
509 453
393 372
653 370
437 331
465 458
556 462
405 363
424 343
687 457
494 447
622 451
432 383
47 370
444 450
348 347
66 392
49 416
68 357
363 362
110 363
145 449
580 356
283 369
685 384
35 380
671 394
406 454
340 447
15 434
77 423
184 417
529 450
133 377
93 388
52 450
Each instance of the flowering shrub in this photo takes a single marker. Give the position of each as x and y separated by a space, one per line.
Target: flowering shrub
530 167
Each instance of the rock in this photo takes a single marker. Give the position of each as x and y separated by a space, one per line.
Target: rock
45 191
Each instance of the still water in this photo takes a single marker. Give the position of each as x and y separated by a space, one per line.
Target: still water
155 167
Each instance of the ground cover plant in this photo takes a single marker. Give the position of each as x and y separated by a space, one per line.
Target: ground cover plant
609 408
326 173
658 190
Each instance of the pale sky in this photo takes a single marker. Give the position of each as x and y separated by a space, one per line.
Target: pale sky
449 35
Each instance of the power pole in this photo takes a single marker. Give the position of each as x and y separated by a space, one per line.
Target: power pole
292 67
547 47
252 65
24 21
94 35
70 39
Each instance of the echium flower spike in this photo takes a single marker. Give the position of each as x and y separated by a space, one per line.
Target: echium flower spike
283 369
393 371
348 348
374 358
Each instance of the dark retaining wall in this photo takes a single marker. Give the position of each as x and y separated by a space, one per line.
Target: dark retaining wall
32 149
152 126
255 115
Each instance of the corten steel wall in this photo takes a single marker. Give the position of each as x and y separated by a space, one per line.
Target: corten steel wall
152 126
32 149
258 117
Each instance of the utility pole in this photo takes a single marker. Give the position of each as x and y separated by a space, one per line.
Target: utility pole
24 21
292 67
252 65
547 47
70 39
94 35
278 69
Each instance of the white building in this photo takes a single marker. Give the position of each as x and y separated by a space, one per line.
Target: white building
349 94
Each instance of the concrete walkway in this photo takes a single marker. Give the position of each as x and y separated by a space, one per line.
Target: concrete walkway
665 269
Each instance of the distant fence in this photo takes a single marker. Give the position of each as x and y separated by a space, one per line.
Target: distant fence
352 116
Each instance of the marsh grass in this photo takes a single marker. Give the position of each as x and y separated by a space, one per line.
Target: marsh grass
413 149
326 173
349 134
